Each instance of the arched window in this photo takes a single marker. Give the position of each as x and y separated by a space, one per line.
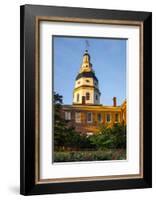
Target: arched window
87 96
78 97
96 97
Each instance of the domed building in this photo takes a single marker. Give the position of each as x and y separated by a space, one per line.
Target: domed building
86 113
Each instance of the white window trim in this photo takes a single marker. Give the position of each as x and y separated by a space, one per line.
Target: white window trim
78 119
67 115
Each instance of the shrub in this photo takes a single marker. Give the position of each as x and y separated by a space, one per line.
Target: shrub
107 137
107 154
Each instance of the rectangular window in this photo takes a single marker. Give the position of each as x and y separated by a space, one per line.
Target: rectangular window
67 115
116 117
99 117
89 117
78 117
78 97
87 96
108 119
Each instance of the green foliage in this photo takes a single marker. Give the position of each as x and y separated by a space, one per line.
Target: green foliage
108 154
110 137
60 125
70 139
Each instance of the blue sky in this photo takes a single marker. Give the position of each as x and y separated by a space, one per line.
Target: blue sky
108 57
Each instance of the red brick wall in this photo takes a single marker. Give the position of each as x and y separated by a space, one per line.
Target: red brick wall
93 127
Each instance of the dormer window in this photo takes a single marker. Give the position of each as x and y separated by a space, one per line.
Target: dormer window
78 82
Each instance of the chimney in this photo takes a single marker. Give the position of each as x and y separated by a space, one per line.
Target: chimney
114 102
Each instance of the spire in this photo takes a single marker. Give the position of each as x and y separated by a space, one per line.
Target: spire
86 64
86 57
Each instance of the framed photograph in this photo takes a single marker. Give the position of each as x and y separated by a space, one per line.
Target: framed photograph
86 99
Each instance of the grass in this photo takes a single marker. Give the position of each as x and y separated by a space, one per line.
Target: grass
107 154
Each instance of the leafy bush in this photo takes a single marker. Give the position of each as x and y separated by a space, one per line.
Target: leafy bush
107 137
108 154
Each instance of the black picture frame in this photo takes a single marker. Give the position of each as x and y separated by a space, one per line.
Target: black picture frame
28 14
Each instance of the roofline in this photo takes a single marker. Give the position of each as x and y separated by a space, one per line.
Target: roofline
86 75
124 102
92 107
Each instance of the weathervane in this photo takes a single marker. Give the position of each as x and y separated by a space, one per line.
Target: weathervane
87 44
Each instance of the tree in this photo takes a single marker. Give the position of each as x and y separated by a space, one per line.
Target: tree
119 131
60 125
65 136
110 137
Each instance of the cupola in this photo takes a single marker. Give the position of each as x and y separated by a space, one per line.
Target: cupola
86 90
